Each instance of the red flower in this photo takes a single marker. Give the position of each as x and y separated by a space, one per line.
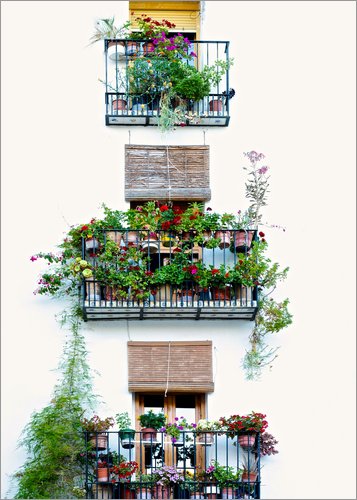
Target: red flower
176 220
215 271
84 228
261 234
163 208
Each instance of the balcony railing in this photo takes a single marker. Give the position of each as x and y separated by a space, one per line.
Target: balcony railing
124 106
150 284
194 456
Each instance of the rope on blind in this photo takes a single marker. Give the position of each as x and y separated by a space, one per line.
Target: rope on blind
168 370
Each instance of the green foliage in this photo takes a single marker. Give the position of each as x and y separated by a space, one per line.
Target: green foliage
152 420
53 437
123 420
225 475
272 317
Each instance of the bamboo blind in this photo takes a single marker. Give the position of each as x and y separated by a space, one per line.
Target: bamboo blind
167 173
175 366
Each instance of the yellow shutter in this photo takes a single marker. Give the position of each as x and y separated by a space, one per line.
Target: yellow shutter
185 15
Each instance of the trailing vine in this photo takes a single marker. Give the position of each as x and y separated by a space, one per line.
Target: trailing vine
53 438
272 316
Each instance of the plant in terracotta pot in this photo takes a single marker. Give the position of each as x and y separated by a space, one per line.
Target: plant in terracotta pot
177 429
150 423
219 282
205 431
96 428
250 467
144 485
227 479
103 472
246 427
126 432
167 477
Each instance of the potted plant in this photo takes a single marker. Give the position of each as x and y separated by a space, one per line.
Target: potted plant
250 467
106 29
126 433
246 427
144 485
103 472
227 478
205 430
96 428
150 423
211 488
219 281
166 478
176 429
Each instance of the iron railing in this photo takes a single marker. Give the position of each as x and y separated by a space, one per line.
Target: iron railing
170 299
191 456
125 107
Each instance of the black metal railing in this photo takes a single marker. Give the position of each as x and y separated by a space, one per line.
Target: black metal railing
160 275
208 464
124 106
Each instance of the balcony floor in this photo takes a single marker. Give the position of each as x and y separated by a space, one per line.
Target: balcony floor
193 310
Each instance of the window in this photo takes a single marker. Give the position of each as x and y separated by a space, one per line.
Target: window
188 405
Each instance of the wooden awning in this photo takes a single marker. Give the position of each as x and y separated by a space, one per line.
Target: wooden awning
175 366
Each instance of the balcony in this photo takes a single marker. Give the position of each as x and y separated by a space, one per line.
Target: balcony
191 456
139 78
160 275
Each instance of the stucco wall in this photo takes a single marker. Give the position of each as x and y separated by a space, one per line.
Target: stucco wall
294 77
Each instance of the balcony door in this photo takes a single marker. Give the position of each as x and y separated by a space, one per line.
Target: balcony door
189 405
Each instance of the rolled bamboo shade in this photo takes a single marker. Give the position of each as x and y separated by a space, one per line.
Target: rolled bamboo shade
151 170
175 366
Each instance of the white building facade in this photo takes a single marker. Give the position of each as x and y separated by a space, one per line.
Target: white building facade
61 162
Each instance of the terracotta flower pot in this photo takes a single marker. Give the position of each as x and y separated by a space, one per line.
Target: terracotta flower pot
225 237
148 48
221 293
162 492
114 236
242 240
206 438
227 492
131 238
131 47
246 440
249 476
148 434
93 293
103 475
119 105
102 491
99 441
243 294
215 105
143 493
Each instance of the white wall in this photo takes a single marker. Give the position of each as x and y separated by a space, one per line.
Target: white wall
294 77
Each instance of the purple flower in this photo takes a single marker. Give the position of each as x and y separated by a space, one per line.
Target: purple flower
186 40
176 418
194 426
173 440
193 54
180 427
262 170
171 47
33 258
